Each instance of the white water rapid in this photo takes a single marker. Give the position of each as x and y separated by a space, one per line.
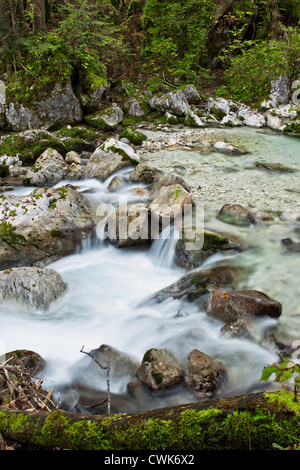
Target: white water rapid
107 287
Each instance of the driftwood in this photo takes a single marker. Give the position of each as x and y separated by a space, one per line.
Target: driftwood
21 390
254 421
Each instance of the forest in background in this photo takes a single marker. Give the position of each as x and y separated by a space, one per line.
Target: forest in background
231 47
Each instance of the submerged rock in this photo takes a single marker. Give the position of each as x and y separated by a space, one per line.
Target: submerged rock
197 245
160 369
290 245
230 306
226 148
36 287
204 374
275 167
236 214
43 226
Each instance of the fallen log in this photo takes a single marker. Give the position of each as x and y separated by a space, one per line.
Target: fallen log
244 422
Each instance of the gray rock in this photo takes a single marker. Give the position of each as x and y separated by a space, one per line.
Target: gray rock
73 157
36 287
171 202
134 108
192 120
49 169
160 370
109 158
2 102
116 183
173 102
107 120
219 107
43 226
192 94
226 148
59 108
280 90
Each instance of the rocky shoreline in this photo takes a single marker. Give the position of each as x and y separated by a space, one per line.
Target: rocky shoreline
51 222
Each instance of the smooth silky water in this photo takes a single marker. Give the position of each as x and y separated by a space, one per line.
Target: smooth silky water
108 288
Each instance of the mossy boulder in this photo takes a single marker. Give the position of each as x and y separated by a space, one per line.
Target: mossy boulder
160 369
196 246
29 145
28 225
106 120
135 137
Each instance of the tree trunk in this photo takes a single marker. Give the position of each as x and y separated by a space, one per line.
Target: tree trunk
249 422
39 21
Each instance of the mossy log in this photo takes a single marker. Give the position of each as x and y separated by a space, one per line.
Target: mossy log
253 421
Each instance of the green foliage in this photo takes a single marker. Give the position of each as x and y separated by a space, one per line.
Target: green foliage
82 40
175 35
249 75
283 371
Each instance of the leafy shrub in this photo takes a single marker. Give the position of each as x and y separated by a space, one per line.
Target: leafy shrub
249 75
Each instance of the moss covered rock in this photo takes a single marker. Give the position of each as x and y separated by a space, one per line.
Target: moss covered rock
135 137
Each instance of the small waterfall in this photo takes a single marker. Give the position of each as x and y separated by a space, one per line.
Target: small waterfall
95 242
162 251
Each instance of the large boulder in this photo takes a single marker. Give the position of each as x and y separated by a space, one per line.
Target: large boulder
174 102
196 246
49 169
160 369
36 287
229 306
43 226
109 158
218 107
106 120
58 108
204 374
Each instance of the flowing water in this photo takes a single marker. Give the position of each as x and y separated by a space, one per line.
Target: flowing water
107 287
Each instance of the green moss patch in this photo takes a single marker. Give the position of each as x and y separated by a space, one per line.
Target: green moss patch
135 137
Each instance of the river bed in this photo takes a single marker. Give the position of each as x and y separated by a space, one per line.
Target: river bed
107 287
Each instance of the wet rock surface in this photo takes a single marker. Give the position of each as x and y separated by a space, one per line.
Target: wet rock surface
36 287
